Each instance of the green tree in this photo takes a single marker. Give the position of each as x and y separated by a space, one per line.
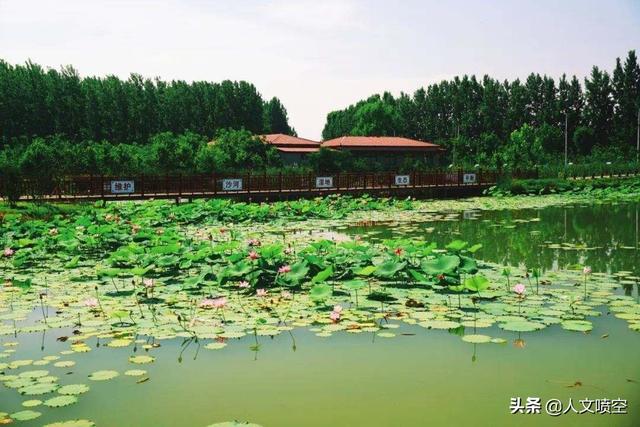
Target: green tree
599 105
375 118
233 150
275 118
626 97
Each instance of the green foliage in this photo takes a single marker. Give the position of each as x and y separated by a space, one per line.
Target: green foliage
482 121
39 163
39 102
175 153
275 118
326 160
596 187
234 150
375 118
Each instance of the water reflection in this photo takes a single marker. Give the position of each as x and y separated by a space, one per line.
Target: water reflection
606 237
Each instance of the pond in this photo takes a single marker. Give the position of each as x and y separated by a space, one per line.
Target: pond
394 374
603 236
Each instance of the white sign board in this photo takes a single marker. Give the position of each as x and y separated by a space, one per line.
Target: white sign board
122 187
469 178
402 180
324 181
232 184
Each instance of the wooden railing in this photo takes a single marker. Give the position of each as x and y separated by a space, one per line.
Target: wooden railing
248 185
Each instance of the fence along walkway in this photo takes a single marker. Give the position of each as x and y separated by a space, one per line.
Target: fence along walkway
263 185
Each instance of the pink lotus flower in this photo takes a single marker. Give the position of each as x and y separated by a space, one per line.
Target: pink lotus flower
335 316
223 230
253 255
284 269
90 302
261 292
244 284
254 242
337 308
286 295
8 252
148 283
398 251
519 289
586 270
219 302
207 303
53 232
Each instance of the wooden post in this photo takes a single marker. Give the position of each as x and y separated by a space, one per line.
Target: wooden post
310 178
215 184
413 179
249 183
142 185
337 181
102 186
280 182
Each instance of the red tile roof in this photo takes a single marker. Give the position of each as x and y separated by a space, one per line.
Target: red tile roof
291 144
279 139
380 143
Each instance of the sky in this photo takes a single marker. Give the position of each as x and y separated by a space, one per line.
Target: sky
320 55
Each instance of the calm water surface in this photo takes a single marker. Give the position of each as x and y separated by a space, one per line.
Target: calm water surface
424 378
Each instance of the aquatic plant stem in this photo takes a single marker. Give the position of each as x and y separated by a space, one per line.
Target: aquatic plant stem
100 303
44 315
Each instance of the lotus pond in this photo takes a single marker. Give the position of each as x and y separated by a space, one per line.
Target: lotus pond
346 312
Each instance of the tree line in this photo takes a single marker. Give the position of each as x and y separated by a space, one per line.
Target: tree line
496 123
38 102
55 123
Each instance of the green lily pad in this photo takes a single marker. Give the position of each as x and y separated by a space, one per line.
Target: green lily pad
439 324
141 359
103 375
25 415
476 339
135 372
38 389
234 424
59 401
215 345
72 423
33 374
73 389
577 325
522 326
64 364
386 334
31 403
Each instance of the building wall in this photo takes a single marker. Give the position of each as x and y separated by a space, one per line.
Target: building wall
396 158
292 158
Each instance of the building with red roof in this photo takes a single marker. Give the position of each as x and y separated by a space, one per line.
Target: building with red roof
291 148
386 149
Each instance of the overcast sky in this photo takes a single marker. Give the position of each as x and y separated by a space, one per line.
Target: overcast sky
317 56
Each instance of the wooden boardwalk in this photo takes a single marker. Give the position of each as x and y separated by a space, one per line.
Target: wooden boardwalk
263 186
449 183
